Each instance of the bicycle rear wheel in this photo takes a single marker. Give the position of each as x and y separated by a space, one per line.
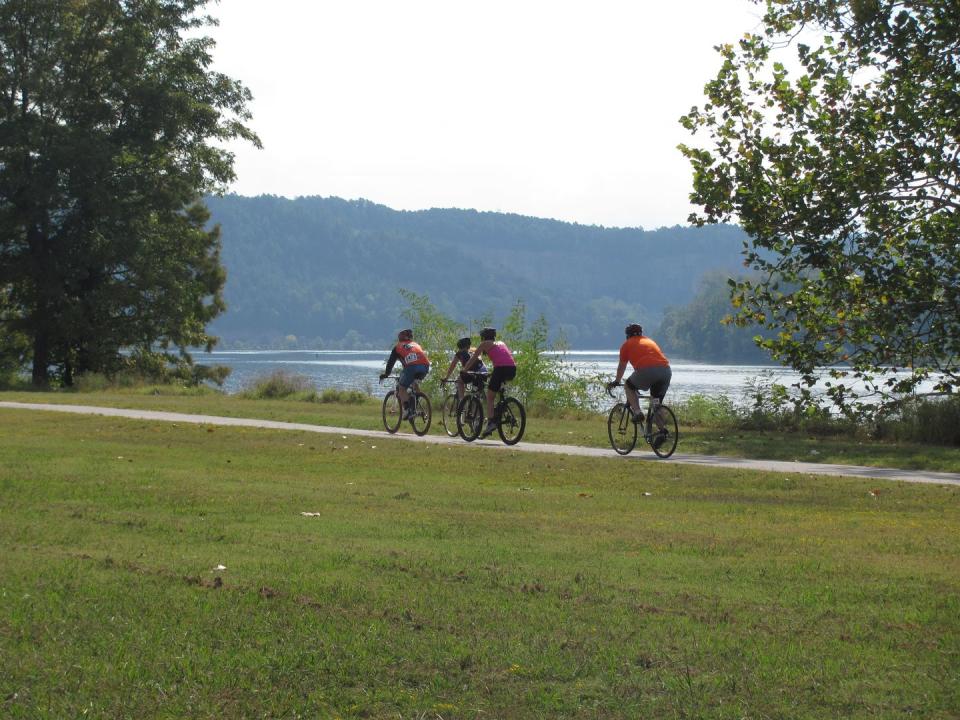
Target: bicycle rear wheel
392 412
422 414
511 420
664 441
621 429
448 414
470 418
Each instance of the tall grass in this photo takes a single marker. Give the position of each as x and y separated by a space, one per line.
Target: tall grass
926 420
933 421
283 385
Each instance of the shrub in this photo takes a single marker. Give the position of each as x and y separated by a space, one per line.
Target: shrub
280 384
703 410
544 380
933 420
343 397
13 380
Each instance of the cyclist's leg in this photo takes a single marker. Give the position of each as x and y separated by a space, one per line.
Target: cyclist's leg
460 388
658 389
630 387
497 378
491 395
408 378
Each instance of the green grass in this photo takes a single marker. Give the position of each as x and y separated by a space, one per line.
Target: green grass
456 582
574 429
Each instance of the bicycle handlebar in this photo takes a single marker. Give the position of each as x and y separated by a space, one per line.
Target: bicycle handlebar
609 388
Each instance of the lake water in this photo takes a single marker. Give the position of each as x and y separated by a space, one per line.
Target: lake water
345 369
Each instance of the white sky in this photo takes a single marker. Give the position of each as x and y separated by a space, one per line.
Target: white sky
563 109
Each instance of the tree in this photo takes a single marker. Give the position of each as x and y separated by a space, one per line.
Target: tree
111 131
847 180
544 379
700 330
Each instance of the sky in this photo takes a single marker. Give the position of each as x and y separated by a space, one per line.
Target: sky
550 108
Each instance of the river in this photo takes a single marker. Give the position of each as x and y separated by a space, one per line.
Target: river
358 369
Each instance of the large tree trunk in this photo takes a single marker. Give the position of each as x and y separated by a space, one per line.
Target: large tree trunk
41 360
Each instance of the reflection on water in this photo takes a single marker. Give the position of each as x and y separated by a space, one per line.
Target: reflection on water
342 369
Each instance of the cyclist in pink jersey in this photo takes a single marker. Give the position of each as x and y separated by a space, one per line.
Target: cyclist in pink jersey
504 368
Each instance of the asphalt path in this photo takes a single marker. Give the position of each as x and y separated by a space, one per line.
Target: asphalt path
872 473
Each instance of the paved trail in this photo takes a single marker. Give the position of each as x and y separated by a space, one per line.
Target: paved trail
913 476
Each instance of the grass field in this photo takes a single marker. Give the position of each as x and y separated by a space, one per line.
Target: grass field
575 429
433 582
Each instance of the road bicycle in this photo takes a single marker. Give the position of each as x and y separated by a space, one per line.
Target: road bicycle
392 411
509 414
622 428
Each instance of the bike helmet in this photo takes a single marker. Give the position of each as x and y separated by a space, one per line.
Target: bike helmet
406 334
633 329
488 333
463 343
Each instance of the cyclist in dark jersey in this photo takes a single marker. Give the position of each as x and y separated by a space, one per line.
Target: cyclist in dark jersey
462 356
415 363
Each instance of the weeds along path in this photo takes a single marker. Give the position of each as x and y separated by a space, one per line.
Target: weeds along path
912 476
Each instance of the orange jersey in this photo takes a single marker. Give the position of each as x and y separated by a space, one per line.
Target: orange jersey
410 353
642 352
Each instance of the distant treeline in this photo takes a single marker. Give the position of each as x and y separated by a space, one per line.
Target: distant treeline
325 272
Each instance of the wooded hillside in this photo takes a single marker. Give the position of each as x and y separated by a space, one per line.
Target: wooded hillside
326 271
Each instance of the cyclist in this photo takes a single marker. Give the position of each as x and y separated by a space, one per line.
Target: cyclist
651 371
415 364
462 356
504 369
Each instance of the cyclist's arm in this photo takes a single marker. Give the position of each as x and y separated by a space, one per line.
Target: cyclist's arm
475 358
620 368
391 361
453 364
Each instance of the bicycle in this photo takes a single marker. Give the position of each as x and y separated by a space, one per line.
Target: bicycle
469 415
392 411
622 430
509 413
448 409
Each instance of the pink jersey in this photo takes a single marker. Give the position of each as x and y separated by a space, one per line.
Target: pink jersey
500 355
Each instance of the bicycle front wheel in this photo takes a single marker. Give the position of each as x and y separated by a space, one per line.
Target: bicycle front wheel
448 414
621 429
511 421
392 412
422 414
664 441
470 418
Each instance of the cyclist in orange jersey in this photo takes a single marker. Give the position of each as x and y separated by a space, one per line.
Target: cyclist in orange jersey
651 371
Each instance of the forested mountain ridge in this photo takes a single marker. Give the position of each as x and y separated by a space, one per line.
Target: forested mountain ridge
327 271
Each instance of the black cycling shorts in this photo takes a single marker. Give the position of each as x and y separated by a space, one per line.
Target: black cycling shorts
500 375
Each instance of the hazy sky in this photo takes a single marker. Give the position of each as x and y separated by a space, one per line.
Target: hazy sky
552 108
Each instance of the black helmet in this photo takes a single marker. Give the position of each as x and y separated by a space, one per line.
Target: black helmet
463 343
488 333
406 334
633 329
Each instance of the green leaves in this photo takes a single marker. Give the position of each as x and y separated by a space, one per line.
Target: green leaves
107 125
848 188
